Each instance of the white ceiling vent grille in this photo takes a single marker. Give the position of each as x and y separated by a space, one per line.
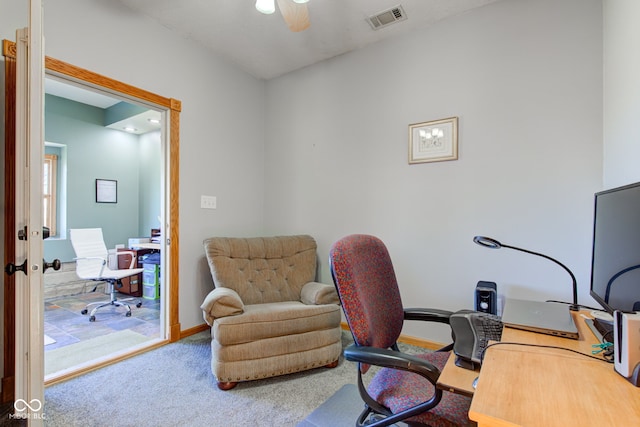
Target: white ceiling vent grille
387 17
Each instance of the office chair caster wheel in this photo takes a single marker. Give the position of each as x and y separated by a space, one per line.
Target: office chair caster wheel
139 305
128 314
85 311
92 319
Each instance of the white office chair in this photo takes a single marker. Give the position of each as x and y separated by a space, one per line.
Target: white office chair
91 264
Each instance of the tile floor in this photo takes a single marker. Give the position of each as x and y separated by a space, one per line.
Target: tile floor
66 325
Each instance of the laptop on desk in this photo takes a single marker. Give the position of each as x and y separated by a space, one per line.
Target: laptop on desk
543 317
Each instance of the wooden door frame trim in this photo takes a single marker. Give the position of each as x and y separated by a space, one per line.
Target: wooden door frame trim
173 106
9 359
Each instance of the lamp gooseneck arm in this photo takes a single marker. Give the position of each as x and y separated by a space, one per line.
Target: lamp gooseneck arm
573 307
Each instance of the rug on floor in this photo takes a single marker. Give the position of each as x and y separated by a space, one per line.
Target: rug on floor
62 358
341 409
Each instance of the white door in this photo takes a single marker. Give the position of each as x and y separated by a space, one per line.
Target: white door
29 338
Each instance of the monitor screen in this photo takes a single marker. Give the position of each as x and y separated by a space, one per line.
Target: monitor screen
615 261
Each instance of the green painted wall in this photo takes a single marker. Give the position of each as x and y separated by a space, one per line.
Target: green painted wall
95 152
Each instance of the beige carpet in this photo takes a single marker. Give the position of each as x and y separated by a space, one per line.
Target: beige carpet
173 386
93 349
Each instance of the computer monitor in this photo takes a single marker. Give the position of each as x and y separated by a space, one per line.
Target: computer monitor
615 262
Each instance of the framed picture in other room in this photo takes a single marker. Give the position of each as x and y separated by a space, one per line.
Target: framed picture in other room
106 191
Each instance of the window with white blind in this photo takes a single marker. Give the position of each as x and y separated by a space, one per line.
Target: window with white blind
49 176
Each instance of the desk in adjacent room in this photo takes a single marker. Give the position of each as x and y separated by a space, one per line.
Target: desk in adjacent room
132 285
535 386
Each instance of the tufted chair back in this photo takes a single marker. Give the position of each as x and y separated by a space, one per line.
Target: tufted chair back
262 269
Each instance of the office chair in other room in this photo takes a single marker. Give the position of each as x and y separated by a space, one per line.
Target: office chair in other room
404 389
91 264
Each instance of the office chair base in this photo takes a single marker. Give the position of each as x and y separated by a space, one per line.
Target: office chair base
112 302
92 316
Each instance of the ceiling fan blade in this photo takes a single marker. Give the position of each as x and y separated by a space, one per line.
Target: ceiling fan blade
295 15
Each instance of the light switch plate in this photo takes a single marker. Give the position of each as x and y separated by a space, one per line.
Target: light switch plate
208 202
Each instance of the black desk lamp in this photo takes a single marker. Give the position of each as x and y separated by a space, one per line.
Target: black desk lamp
488 242
615 276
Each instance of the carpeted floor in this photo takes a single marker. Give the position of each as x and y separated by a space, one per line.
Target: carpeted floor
173 386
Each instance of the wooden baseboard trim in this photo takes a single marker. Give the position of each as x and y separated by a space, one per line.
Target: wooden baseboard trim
192 331
175 332
407 339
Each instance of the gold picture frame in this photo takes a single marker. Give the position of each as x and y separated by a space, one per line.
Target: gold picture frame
434 141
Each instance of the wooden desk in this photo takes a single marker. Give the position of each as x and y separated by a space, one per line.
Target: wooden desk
533 386
132 285
457 380
152 246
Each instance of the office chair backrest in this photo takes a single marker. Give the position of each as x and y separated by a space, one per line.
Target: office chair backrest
366 282
88 243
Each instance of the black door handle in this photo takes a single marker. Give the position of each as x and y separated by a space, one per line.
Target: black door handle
55 265
12 268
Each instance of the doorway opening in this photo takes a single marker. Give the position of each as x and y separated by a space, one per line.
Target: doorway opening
94 139
168 222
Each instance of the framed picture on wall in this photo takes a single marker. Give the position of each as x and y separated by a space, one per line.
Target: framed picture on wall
106 191
434 141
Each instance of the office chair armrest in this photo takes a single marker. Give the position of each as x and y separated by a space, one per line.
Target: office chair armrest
221 302
315 293
133 257
392 359
90 267
428 315
92 260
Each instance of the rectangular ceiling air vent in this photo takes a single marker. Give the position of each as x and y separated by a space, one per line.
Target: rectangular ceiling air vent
387 17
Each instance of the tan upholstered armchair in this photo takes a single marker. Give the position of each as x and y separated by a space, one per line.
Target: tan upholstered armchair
267 315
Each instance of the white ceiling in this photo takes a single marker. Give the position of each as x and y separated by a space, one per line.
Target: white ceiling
60 88
139 124
263 45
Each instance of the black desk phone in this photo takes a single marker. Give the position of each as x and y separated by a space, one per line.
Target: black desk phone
472 331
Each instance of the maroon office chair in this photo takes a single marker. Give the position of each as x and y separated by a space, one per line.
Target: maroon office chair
404 389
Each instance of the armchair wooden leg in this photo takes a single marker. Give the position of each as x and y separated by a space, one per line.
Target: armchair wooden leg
332 364
224 386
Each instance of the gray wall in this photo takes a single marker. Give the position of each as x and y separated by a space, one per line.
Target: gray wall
622 89
529 99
